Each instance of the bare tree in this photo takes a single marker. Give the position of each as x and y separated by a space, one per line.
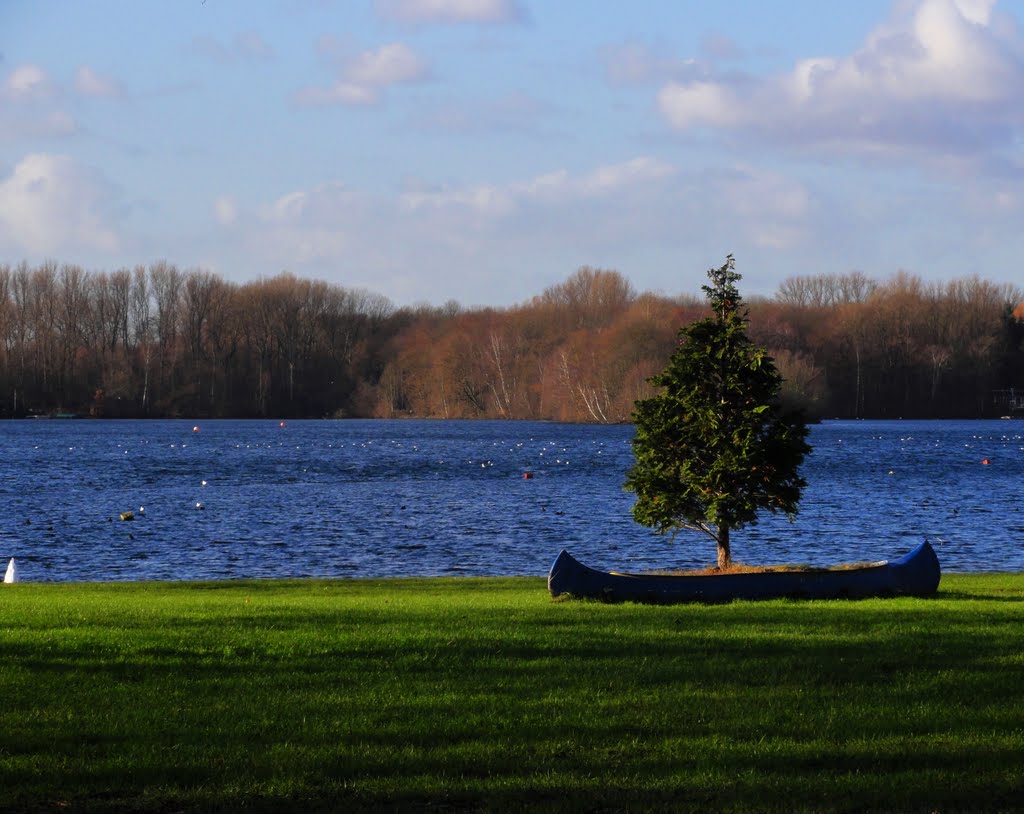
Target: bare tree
591 298
143 331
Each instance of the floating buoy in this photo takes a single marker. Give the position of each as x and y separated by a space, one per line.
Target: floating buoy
527 475
127 515
282 424
12 572
891 472
202 483
195 429
200 506
142 509
984 461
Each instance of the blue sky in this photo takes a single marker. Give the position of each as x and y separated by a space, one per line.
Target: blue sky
482 150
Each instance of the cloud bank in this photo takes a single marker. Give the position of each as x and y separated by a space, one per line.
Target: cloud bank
941 75
50 205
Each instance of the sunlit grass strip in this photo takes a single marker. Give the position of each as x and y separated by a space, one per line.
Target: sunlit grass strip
485 694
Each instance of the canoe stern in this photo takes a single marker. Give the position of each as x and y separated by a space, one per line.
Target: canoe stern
559 575
917 573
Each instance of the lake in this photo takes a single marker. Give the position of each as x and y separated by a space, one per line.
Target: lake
238 499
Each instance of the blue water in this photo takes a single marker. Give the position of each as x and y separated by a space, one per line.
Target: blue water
412 498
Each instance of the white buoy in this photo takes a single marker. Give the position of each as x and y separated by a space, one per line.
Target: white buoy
12 572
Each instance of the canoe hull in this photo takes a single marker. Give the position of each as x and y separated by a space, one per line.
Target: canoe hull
915 574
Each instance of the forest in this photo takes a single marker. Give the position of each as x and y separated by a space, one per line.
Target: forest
159 341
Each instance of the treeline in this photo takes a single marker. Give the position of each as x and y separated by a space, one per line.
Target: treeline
157 341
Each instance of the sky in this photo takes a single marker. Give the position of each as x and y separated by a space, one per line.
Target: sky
483 150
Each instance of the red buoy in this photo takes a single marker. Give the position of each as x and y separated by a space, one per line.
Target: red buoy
984 461
527 475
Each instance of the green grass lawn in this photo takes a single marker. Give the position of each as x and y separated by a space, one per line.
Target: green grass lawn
485 694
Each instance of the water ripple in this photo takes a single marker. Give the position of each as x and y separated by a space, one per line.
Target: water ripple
417 498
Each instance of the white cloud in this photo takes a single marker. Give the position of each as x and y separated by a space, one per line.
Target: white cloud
498 240
225 209
388 65
365 77
449 234
941 75
90 83
287 208
28 107
306 228
600 182
451 11
51 205
556 187
26 82
697 103
484 200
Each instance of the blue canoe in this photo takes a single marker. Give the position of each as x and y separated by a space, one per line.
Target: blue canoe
916 574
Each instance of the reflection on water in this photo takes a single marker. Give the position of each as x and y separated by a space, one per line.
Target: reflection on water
413 498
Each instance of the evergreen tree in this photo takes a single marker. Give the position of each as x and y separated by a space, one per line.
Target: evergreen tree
714 447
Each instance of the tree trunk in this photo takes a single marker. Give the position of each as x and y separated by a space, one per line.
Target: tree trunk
724 552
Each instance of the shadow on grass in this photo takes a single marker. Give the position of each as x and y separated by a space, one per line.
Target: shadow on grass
972 596
824 706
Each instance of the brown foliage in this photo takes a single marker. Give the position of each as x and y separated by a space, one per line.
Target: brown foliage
159 341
